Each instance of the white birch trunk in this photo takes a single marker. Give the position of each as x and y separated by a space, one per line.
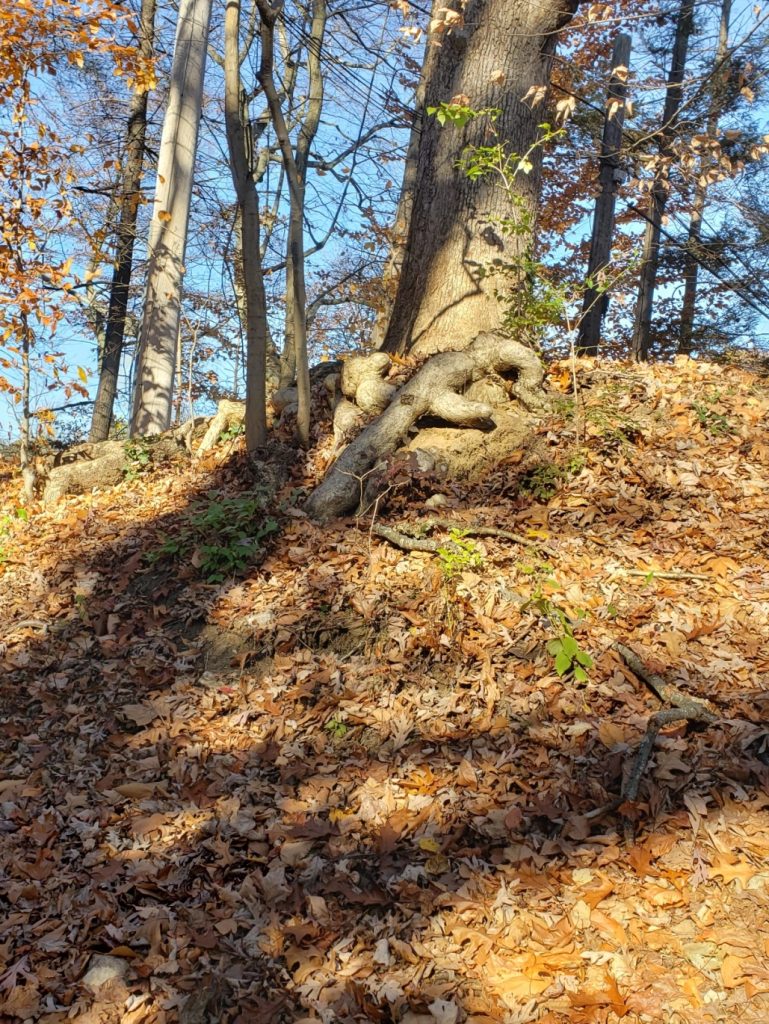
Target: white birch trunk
153 393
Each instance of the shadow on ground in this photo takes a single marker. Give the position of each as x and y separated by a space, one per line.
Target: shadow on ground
339 806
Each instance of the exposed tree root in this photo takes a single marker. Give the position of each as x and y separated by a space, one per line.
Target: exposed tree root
439 389
228 415
410 536
79 469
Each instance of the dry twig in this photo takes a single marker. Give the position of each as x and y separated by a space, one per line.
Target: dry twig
685 708
405 536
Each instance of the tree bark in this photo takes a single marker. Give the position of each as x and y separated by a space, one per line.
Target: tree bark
296 185
307 133
236 118
153 392
659 193
603 220
400 230
26 455
692 255
457 259
130 197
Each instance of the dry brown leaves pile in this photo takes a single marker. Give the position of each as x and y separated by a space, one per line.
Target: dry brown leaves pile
347 788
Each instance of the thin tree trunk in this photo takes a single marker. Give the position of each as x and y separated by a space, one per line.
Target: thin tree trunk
296 186
659 193
307 133
603 220
179 393
190 371
458 261
400 229
692 256
236 119
26 457
168 230
114 331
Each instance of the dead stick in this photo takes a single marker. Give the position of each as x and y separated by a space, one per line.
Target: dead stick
403 541
685 708
665 575
478 531
666 692
406 530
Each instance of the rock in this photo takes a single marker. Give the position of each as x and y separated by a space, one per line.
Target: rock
84 467
437 501
105 978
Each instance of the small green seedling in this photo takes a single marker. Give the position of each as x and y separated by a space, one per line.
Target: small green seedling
569 657
459 555
716 424
336 728
6 523
232 432
564 648
543 481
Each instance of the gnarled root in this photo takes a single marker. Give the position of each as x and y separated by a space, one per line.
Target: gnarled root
437 389
228 414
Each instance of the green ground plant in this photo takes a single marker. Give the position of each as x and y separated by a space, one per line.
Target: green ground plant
138 459
544 481
569 658
716 424
222 536
232 432
7 523
336 728
459 555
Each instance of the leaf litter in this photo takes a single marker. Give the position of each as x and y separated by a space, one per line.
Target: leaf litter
350 786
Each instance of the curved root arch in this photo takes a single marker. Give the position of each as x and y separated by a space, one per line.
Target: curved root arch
437 389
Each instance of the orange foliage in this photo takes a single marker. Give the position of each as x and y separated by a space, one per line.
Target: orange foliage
36 165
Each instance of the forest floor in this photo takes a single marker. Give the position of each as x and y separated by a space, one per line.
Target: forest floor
349 783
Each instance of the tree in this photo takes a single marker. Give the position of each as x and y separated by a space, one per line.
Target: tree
655 209
306 136
128 202
36 177
295 166
603 219
691 264
459 250
458 260
153 393
241 156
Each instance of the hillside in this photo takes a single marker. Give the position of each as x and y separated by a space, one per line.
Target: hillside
348 783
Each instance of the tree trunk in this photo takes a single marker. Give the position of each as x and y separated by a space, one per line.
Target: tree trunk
603 220
26 455
296 185
659 193
236 118
692 256
457 259
307 132
114 331
153 392
400 229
